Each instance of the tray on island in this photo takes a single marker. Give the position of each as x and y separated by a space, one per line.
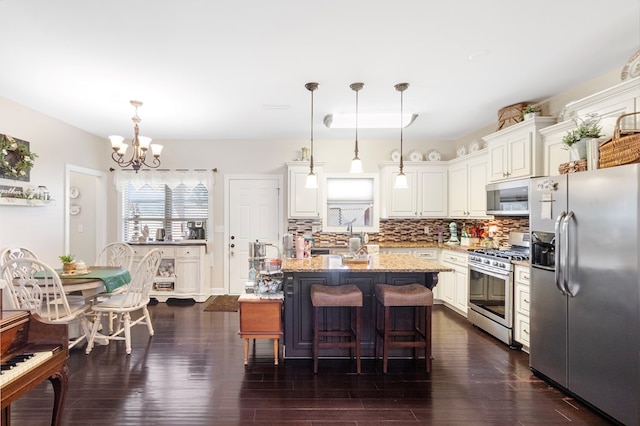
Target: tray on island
353 261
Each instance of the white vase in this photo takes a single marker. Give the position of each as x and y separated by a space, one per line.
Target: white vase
578 150
530 115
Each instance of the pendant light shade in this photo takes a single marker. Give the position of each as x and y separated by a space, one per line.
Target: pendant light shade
356 163
401 178
312 179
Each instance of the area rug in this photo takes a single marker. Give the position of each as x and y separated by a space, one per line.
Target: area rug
225 303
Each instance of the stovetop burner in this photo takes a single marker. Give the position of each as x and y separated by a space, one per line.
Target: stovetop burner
505 254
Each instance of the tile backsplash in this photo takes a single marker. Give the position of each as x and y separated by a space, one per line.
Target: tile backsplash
410 230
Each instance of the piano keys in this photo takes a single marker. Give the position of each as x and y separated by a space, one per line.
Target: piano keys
24 333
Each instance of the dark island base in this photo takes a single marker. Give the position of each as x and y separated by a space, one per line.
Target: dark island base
298 327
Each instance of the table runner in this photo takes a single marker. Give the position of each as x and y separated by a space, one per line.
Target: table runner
111 276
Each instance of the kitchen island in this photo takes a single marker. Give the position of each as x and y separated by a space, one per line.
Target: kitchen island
300 274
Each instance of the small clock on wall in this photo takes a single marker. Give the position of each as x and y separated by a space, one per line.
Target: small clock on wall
74 209
74 192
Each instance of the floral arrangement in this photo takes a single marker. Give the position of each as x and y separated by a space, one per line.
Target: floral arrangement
15 158
585 128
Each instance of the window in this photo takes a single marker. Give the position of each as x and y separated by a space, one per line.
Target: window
159 206
351 202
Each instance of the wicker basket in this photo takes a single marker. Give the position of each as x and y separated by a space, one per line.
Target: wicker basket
623 148
510 115
573 166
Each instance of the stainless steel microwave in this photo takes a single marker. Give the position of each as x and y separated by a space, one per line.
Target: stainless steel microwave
508 198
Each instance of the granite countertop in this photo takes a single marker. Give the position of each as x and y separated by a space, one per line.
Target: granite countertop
171 243
520 262
409 244
377 263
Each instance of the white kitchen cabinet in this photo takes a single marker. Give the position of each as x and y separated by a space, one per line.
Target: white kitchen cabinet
467 180
521 328
425 196
182 272
516 152
454 286
304 202
609 104
554 151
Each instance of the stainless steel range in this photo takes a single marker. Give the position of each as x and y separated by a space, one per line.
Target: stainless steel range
491 287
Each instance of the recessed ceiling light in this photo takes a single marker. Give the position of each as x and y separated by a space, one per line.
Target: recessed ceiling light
478 55
368 121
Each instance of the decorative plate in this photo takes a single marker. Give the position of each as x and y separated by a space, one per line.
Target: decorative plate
632 68
74 209
474 146
461 151
415 156
395 155
74 192
434 155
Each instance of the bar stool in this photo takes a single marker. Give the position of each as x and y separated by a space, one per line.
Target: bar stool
410 295
338 296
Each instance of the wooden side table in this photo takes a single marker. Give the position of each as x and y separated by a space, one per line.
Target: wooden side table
261 318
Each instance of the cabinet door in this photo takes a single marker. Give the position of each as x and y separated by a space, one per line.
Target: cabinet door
433 193
498 160
404 202
555 153
447 286
187 275
477 193
458 190
461 278
519 155
303 202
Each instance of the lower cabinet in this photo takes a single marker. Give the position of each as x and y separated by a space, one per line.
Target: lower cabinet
453 287
298 310
522 299
181 273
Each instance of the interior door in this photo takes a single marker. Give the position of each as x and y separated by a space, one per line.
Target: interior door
254 213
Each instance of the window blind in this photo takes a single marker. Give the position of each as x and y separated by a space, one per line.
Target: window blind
159 206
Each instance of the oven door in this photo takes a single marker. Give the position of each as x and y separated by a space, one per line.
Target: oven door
490 295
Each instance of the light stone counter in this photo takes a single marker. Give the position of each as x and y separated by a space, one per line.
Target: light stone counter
377 263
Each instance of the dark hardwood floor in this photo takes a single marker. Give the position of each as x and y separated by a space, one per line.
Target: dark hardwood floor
191 373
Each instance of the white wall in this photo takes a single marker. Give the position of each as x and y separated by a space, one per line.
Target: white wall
42 228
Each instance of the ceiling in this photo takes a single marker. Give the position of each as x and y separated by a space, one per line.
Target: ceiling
236 69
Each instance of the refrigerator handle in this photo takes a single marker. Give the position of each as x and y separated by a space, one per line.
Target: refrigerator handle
559 269
565 253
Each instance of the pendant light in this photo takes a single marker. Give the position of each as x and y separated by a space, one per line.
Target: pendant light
312 179
401 178
356 163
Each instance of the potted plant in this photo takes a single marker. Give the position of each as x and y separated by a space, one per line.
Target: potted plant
531 111
68 262
576 140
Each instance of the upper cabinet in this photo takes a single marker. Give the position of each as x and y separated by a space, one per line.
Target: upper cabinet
467 180
425 196
516 152
304 202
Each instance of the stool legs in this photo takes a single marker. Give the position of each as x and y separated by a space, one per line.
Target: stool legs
353 334
421 334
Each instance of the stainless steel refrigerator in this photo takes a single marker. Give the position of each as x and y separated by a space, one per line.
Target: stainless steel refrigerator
585 287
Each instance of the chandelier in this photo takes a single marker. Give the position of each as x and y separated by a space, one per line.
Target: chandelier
140 146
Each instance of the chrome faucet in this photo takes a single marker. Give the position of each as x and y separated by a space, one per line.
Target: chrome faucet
350 226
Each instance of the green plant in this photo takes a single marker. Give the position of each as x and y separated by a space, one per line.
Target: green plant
67 258
586 128
530 109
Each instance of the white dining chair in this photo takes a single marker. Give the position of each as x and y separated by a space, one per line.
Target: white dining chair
35 286
6 255
116 254
134 299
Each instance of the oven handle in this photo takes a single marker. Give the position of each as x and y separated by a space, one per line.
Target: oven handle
559 271
502 276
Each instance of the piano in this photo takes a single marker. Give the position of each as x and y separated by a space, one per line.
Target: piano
32 352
